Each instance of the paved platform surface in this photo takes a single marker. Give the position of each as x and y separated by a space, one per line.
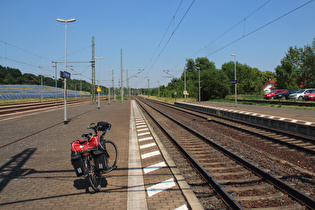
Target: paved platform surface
292 114
36 173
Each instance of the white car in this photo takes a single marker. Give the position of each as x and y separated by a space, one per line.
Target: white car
300 94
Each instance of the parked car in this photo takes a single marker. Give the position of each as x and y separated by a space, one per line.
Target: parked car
300 94
273 93
310 96
284 95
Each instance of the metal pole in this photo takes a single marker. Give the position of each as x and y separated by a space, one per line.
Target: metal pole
235 83
65 80
56 80
185 92
235 79
108 95
122 86
99 100
199 82
41 83
148 87
158 89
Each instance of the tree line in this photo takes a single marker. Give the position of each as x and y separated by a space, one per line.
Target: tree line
297 70
12 76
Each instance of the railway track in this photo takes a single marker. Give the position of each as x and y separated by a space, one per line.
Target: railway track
15 108
239 183
295 141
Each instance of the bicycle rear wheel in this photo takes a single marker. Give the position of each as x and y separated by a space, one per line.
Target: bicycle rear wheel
94 177
111 155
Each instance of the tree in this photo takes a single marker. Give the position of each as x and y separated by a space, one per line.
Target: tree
213 83
297 68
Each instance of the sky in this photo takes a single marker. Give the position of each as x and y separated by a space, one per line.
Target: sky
152 35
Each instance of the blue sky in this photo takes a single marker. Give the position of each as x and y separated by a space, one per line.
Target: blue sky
31 38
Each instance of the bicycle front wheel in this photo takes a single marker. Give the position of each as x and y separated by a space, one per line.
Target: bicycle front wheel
111 155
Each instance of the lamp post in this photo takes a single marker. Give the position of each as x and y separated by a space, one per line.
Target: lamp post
235 79
199 81
98 92
112 86
65 80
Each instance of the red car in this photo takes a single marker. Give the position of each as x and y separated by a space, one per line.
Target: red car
310 96
273 93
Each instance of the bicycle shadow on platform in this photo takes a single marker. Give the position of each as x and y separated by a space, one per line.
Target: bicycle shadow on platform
82 184
13 168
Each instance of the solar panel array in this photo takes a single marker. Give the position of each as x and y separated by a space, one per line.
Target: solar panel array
34 91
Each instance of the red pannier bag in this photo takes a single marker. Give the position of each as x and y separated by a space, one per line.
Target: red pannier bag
81 145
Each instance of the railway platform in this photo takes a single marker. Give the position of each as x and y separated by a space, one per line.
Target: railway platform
36 172
295 120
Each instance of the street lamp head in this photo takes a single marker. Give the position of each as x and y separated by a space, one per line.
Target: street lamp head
98 57
233 54
66 21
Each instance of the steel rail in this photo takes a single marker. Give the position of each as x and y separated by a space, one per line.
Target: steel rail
227 198
33 106
295 193
305 139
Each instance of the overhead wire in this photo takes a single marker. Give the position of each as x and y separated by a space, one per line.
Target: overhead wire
165 33
261 27
230 29
173 32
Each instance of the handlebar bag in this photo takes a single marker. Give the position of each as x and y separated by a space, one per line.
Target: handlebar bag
103 126
81 145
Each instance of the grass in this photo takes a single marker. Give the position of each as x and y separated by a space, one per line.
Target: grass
169 100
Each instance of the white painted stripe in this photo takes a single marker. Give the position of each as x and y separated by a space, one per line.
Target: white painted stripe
147 138
271 117
282 119
154 167
142 134
141 126
143 129
167 184
136 196
262 115
254 114
294 121
247 113
147 145
308 123
150 154
183 207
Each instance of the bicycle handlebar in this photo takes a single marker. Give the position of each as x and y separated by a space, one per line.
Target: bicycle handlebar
101 126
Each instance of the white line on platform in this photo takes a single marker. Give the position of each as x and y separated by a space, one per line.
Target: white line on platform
294 121
167 184
308 123
140 123
146 138
150 154
143 129
141 126
147 145
183 207
154 167
142 134
282 119
136 198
